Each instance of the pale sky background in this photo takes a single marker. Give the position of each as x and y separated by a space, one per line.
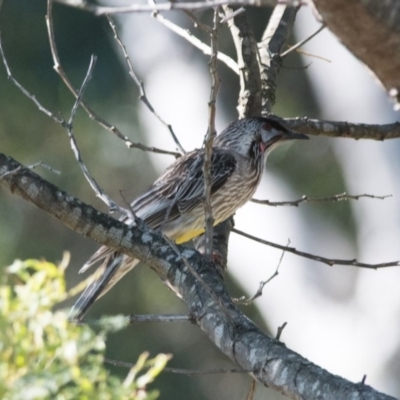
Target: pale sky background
349 338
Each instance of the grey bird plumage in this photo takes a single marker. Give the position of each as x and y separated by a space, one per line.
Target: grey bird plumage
174 203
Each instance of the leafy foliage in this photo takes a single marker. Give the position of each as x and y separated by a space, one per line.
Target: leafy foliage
44 356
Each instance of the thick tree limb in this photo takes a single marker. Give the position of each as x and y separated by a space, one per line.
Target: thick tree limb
373 37
232 332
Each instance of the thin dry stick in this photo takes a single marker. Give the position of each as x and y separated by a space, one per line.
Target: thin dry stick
74 146
92 115
252 390
280 330
139 83
33 166
187 35
209 138
68 125
159 318
246 302
58 119
328 261
233 15
303 42
182 371
197 23
305 199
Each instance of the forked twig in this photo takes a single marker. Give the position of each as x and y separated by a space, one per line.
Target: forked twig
74 146
246 302
103 123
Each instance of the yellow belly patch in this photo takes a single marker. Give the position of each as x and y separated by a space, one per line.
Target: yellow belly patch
189 235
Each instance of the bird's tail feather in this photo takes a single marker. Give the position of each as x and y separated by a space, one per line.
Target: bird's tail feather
114 267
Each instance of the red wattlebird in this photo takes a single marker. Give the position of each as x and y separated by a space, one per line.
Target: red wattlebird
175 201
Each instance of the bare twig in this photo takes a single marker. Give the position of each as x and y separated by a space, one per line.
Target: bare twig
68 125
45 166
259 292
101 10
33 166
209 138
144 318
181 371
139 83
92 115
306 199
197 23
233 15
308 54
187 35
303 42
280 330
58 119
252 390
343 129
328 261
74 146
159 318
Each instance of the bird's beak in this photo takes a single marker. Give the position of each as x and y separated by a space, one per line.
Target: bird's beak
294 135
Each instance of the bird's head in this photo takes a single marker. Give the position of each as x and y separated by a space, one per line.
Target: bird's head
255 137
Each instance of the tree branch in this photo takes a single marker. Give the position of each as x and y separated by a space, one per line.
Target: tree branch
233 333
249 103
101 10
343 129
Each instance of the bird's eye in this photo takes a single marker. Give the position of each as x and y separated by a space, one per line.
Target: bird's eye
266 126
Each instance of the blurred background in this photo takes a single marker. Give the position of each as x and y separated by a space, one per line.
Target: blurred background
343 318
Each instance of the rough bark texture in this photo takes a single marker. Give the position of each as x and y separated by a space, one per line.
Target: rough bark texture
370 29
203 291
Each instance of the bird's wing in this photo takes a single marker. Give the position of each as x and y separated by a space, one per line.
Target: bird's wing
177 191
181 188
